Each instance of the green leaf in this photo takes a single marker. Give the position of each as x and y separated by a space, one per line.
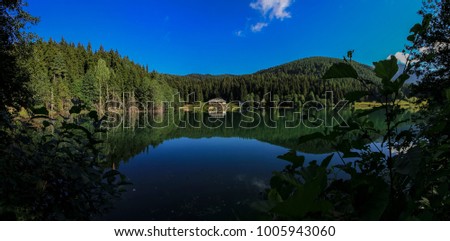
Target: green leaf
403 78
274 196
409 164
288 179
406 135
386 69
305 199
426 22
341 71
297 161
356 95
400 81
416 28
411 38
345 147
326 162
299 204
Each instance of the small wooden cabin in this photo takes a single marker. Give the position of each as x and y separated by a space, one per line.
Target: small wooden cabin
217 106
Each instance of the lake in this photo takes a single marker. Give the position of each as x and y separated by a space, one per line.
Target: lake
204 171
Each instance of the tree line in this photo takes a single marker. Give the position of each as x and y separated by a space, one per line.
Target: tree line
61 72
298 81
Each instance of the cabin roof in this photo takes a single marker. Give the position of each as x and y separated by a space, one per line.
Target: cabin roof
217 100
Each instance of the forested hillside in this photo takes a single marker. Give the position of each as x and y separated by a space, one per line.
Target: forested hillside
61 72
296 81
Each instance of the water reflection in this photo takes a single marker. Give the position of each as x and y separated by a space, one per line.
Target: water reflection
205 173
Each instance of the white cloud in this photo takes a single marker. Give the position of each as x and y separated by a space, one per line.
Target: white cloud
270 10
401 57
437 47
239 33
273 8
258 27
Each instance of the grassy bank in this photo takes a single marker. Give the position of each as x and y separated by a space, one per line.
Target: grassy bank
410 104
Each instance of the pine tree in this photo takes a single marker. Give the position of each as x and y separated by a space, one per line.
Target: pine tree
102 75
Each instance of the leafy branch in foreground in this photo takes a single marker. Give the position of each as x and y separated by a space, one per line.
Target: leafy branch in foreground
384 173
403 174
55 170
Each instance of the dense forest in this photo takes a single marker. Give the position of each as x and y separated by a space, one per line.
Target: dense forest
298 81
61 72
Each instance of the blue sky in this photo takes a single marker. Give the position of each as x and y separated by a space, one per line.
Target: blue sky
230 36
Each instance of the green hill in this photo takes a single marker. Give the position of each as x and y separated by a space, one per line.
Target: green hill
61 72
295 81
313 66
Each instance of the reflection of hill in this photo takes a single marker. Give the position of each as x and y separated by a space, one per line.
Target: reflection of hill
123 144
281 136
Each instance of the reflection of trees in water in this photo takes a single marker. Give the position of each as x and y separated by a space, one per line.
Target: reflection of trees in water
123 144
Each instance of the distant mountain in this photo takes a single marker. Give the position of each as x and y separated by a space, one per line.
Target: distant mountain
317 66
207 76
314 66
297 80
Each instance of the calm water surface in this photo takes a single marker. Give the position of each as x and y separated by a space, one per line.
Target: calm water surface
201 173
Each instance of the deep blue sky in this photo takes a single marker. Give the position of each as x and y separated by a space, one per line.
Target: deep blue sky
221 36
